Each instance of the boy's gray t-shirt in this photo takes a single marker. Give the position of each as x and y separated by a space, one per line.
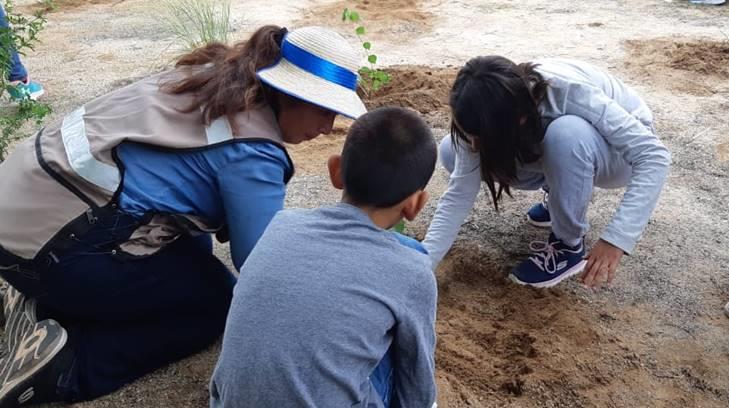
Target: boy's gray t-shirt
318 303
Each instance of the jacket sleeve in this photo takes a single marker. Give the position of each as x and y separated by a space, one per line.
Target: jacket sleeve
639 146
453 206
253 191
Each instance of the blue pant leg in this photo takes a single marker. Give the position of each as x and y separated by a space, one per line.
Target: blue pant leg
383 380
569 167
576 158
17 71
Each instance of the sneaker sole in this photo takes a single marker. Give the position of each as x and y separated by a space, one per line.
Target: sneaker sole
548 284
35 95
540 224
14 385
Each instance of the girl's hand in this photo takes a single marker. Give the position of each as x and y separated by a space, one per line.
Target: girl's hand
602 262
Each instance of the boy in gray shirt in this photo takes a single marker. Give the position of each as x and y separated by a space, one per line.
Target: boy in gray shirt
331 309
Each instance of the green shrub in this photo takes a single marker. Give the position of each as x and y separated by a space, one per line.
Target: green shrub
197 22
21 36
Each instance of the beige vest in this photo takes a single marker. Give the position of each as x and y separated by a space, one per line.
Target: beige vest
68 174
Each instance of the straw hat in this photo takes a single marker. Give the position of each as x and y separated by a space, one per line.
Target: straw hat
318 66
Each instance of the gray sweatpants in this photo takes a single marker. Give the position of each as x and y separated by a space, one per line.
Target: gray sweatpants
576 158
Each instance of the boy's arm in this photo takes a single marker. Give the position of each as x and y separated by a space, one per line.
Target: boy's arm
414 346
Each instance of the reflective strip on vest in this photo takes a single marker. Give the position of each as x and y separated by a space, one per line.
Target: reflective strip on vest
78 151
219 131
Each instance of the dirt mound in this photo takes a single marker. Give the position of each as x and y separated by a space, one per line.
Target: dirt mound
674 65
378 16
501 344
63 5
704 57
491 333
424 89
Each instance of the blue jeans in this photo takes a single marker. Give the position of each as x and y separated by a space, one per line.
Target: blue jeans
17 71
126 317
382 379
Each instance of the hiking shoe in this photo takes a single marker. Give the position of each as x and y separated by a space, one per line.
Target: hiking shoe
29 374
20 316
4 287
538 215
11 299
550 263
726 309
27 89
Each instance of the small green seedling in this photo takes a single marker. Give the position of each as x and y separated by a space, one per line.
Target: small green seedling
372 77
399 227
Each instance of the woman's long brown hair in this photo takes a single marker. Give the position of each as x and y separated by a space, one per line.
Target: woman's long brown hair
229 85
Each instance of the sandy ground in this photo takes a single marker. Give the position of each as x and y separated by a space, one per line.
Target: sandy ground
656 338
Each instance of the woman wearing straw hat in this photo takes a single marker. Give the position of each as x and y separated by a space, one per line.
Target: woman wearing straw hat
106 241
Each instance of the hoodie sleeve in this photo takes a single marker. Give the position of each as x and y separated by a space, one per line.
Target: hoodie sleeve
640 147
454 205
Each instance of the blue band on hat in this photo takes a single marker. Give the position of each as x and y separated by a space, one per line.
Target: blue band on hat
318 66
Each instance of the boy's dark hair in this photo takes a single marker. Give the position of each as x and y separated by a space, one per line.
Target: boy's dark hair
496 101
388 155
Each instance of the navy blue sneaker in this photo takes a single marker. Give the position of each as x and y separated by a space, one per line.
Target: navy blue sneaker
538 215
550 263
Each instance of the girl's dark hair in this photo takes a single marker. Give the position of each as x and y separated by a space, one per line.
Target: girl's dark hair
496 102
229 85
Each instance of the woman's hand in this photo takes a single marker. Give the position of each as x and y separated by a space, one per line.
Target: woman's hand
602 262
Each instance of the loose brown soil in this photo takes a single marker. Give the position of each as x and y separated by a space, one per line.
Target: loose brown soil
424 89
668 61
64 5
703 57
501 344
378 16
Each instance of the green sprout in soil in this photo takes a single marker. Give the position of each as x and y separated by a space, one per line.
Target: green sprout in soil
372 77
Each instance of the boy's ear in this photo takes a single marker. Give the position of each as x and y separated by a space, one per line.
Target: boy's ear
335 171
414 204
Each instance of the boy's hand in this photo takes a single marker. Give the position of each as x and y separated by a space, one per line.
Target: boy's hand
602 262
